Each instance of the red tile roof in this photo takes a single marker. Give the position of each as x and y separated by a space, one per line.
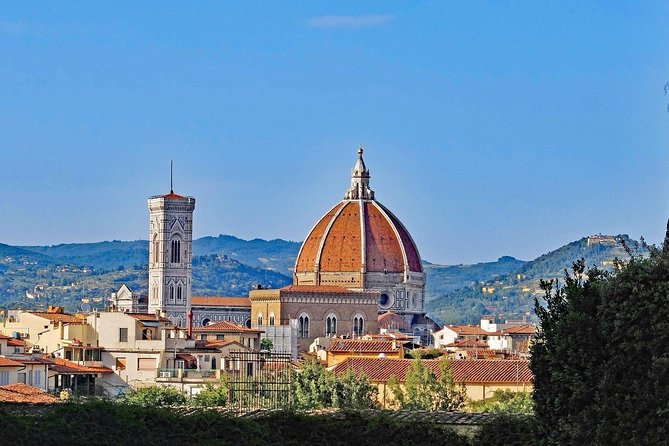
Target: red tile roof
22 393
60 317
4 337
225 327
172 196
335 244
16 343
468 330
521 329
467 371
6 362
221 301
363 346
65 366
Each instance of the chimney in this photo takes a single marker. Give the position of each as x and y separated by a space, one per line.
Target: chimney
190 324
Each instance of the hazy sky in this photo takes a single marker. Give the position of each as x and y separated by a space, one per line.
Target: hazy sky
489 130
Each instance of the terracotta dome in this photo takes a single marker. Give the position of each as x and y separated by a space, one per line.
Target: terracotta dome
357 239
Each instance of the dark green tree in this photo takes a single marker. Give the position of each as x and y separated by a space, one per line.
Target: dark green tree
601 357
423 390
155 396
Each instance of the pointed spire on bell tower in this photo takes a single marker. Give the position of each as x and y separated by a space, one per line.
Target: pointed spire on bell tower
359 189
171 179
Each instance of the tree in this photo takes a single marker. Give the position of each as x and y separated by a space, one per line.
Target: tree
601 357
422 389
266 344
212 395
505 402
154 396
314 387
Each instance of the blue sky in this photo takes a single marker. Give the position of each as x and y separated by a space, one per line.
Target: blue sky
490 129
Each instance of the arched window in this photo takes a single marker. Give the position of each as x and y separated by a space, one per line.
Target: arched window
175 254
358 325
155 248
259 319
331 325
172 293
205 322
303 326
271 318
179 293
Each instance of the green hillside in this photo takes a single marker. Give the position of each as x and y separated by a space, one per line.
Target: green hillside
511 295
277 255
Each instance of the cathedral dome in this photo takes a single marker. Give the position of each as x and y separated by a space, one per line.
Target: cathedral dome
359 243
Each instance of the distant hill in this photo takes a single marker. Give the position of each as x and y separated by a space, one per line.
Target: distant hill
278 255
226 265
511 295
444 278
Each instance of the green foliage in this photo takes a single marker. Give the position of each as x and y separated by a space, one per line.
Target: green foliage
314 387
105 423
509 430
155 396
266 344
426 353
515 282
212 395
422 389
601 360
506 402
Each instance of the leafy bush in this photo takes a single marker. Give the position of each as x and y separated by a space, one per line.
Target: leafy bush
422 389
211 395
509 430
601 359
314 387
155 396
505 401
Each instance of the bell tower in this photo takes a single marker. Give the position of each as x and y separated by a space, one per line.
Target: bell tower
170 255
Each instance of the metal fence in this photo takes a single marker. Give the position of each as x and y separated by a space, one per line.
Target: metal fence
259 380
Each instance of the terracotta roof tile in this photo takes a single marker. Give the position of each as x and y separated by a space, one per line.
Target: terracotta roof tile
60 317
16 342
467 371
521 329
468 330
65 366
342 250
383 248
309 251
22 393
6 362
221 301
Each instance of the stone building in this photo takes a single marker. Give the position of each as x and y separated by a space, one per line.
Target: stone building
360 245
170 256
357 261
212 309
308 312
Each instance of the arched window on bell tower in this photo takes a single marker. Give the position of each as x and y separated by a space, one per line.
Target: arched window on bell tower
155 248
175 251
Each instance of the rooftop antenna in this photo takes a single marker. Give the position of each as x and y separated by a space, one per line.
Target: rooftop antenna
171 178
